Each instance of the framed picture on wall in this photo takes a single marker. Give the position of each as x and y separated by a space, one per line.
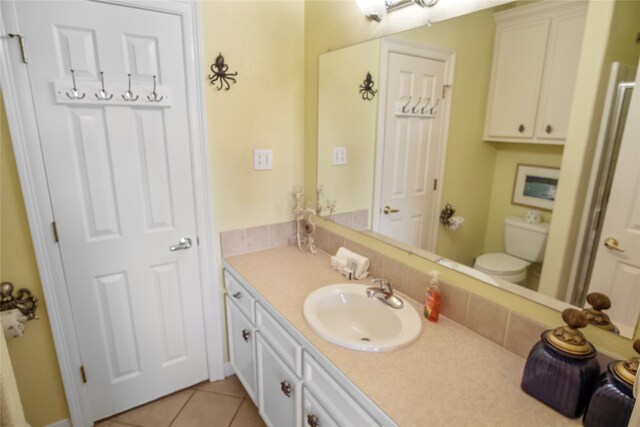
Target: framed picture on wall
535 186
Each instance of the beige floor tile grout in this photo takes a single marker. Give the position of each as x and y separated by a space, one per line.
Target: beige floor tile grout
193 392
236 413
222 394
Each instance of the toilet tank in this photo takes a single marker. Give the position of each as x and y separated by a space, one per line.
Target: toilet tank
525 241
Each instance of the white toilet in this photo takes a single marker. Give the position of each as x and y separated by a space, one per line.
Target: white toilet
524 243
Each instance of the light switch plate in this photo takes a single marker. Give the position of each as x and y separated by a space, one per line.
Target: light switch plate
262 160
339 156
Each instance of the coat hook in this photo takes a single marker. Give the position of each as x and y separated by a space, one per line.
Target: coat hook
404 107
426 106
102 94
413 109
128 95
75 93
434 106
154 96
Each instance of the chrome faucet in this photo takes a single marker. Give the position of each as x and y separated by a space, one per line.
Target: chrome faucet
384 292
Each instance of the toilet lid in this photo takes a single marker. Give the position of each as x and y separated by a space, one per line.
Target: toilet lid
501 263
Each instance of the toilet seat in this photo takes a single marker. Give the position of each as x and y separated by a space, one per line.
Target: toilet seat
504 266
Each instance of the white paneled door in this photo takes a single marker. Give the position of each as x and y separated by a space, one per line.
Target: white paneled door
413 141
616 269
120 180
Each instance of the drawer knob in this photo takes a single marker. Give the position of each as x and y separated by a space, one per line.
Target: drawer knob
521 128
548 129
246 334
286 388
237 295
313 420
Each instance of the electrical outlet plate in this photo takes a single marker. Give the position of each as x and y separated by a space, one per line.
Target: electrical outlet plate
339 156
262 160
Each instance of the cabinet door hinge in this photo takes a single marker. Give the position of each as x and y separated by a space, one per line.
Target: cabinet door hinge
55 231
23 50
83 375
435 184
444 90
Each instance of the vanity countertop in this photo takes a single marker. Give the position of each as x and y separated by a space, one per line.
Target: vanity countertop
449 377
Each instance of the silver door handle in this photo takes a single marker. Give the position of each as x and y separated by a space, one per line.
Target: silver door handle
185 243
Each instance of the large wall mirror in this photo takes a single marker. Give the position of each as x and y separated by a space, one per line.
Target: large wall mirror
419 124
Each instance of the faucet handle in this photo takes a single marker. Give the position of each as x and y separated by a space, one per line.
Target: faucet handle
383 283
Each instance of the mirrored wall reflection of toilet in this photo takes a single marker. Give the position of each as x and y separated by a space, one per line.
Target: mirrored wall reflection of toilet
524 243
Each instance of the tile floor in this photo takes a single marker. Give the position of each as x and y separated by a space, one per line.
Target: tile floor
218 404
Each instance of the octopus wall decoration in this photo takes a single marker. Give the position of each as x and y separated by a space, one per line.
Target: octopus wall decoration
220 74
366 88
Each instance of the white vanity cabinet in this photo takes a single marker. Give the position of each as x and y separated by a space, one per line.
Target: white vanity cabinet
241 334
278 388
290 381
535 62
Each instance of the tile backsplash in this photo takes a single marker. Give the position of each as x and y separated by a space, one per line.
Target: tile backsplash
237 242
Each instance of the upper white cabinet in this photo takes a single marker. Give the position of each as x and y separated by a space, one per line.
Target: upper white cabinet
535 63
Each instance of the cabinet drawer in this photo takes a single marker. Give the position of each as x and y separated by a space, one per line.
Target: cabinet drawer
313 413
343 408
278 388
239 295
242 348
286 347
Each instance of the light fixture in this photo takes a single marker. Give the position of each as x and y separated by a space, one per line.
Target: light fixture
377 9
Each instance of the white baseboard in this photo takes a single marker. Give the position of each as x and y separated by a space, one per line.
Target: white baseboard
61 423
228 370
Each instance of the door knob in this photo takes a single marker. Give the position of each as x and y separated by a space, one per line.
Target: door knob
185 243
612 243
387 210
246 334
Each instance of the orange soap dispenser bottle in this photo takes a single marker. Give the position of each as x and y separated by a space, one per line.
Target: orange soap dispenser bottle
433 297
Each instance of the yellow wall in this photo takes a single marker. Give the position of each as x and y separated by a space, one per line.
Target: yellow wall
263 41
610 34
33 356
507 159
348 121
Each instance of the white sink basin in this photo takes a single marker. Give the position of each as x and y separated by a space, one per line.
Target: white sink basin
344 315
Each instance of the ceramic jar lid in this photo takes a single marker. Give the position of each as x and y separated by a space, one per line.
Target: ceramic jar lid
595 314
626 370
568 339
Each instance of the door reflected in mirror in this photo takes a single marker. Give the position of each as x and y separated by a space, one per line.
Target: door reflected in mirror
472 112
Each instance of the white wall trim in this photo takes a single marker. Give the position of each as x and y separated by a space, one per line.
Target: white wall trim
228 369
447 56
24 135
62 423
